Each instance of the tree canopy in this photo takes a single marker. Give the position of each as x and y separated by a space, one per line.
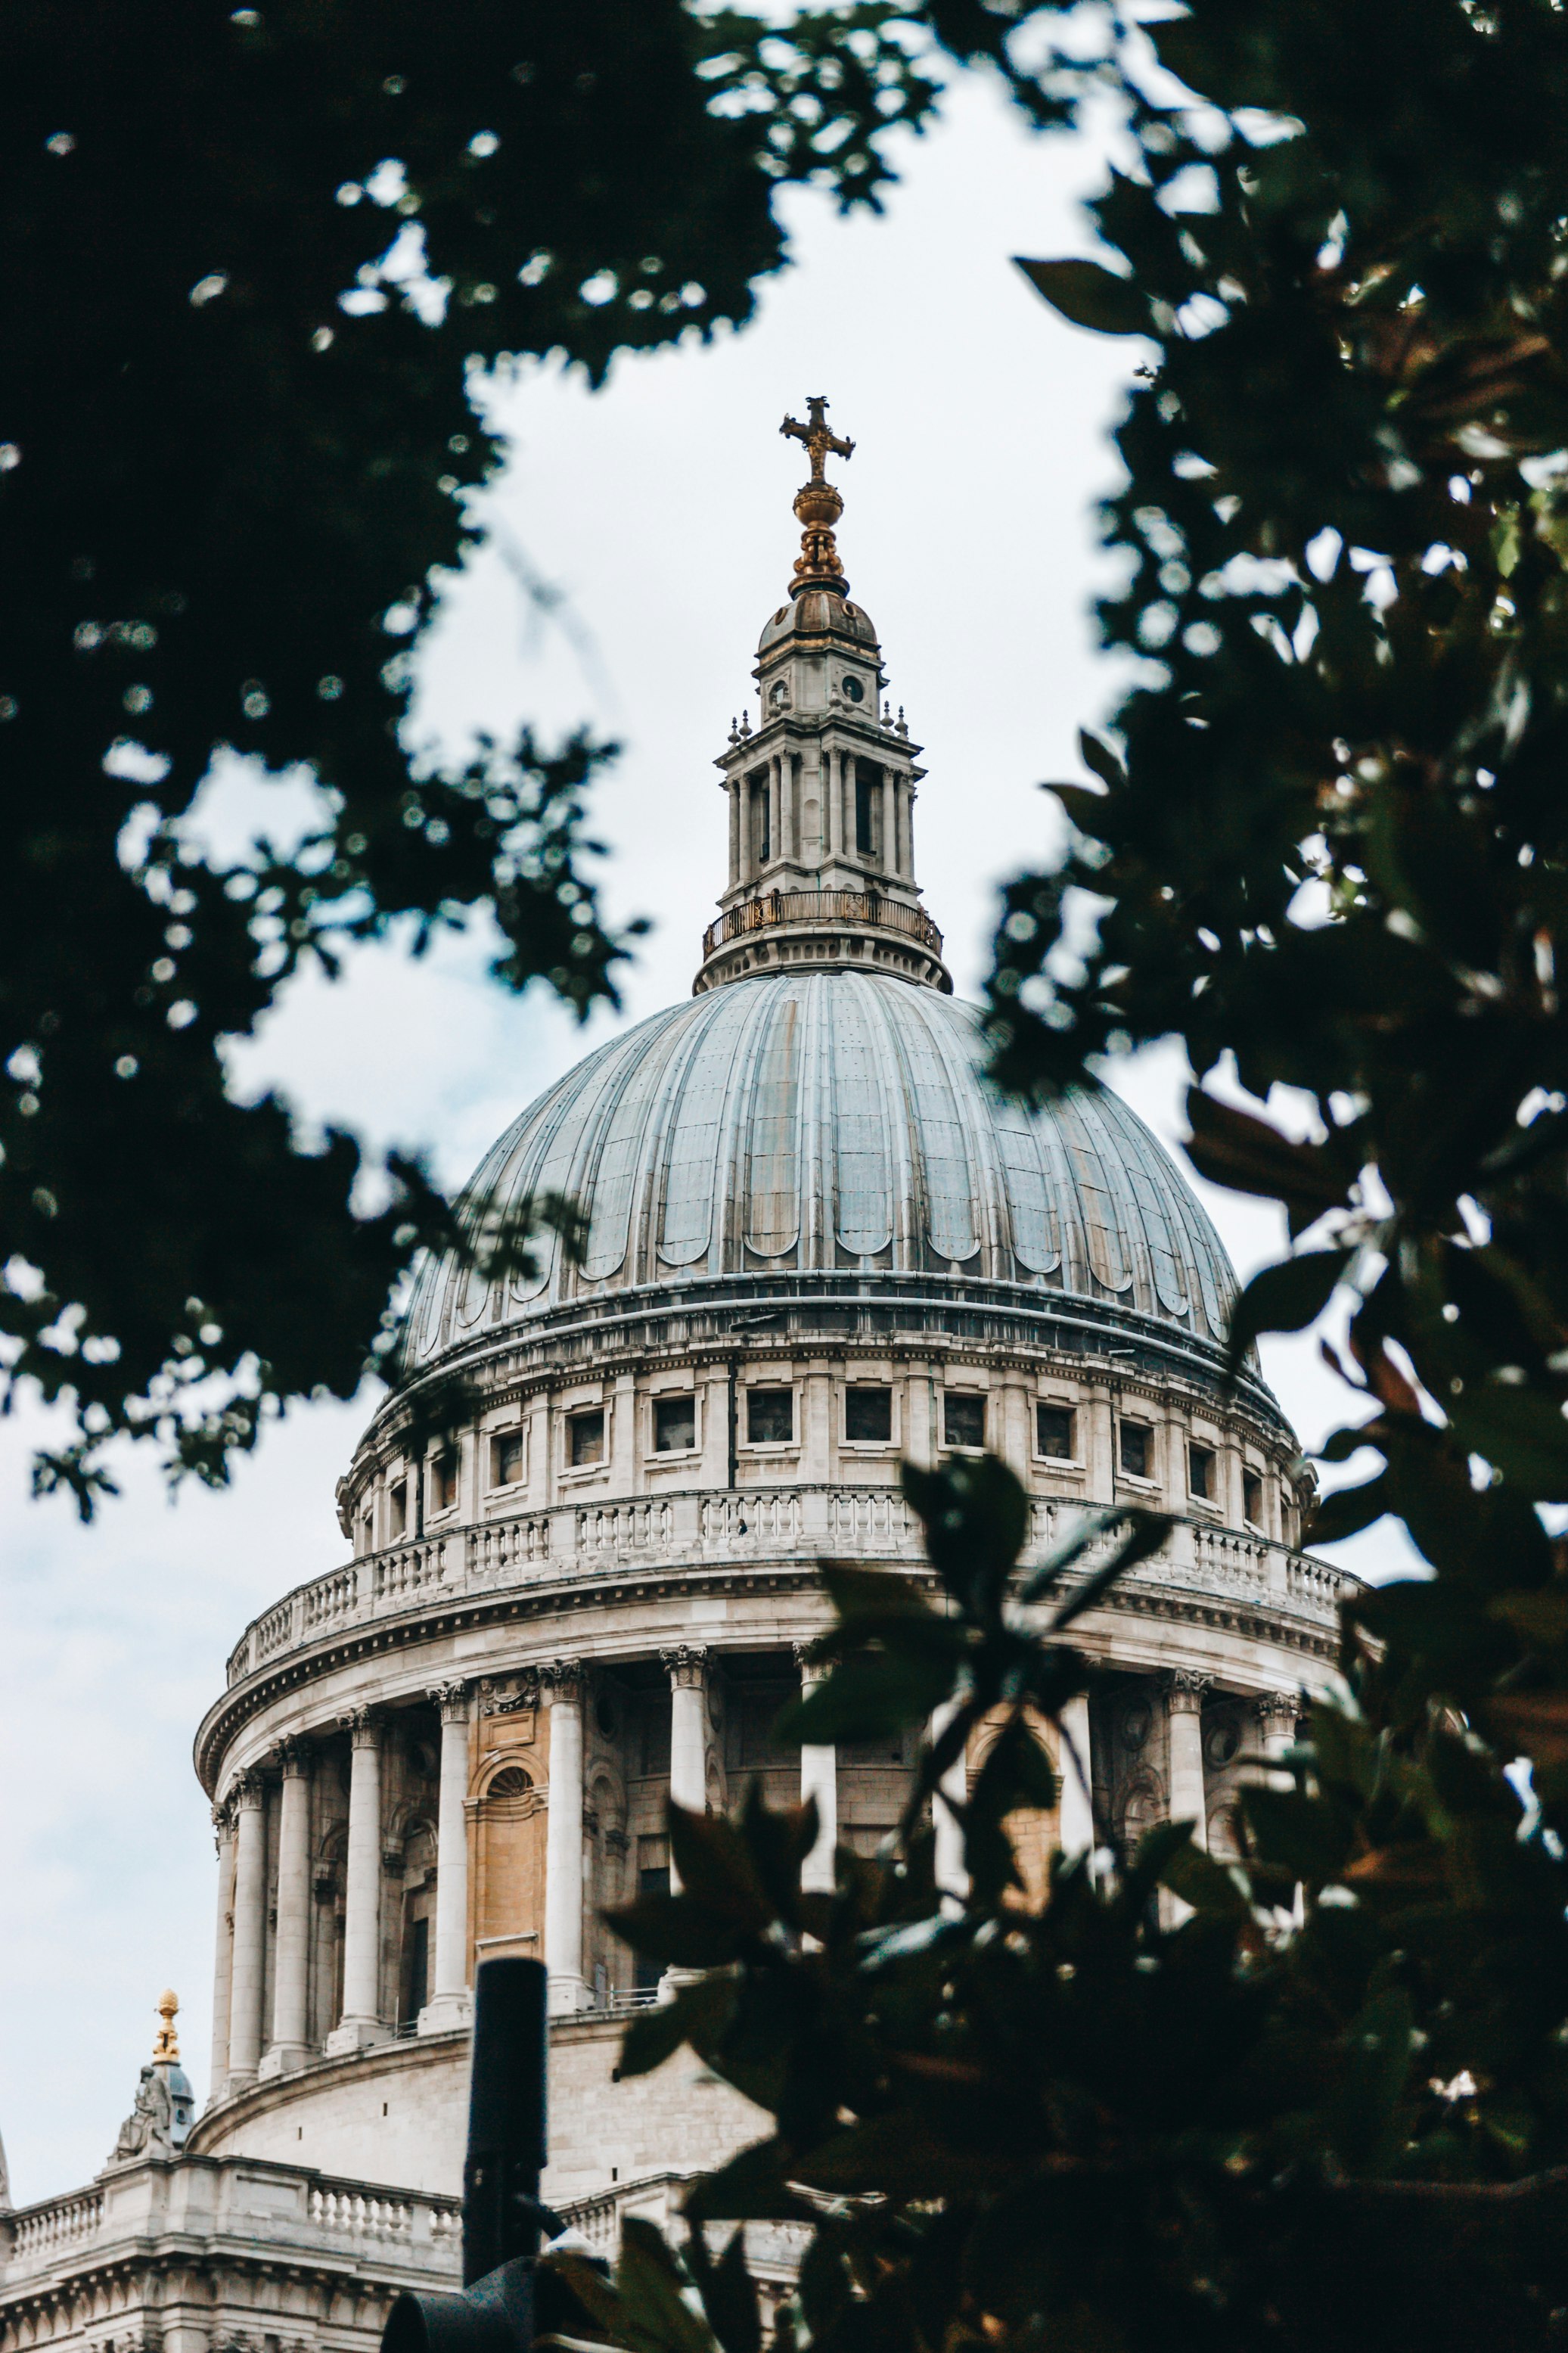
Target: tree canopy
251 260
1323 843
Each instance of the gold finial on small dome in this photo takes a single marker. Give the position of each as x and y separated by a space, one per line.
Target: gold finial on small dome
166 2042
818 504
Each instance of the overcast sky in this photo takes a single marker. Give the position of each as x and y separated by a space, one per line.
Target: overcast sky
660 509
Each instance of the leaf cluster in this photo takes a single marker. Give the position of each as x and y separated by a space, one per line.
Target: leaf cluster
259 264
1317 2096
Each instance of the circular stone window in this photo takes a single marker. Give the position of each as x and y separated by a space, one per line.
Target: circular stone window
1223 1742
854 690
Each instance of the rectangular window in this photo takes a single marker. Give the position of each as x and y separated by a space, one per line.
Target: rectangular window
367 1533
584 1439
869 1417
506 1459
769 1417
1137 1449
653 1879
762 820
443 1483
1200 1472
398 1509
1053 1432
674 1424
867 792
962 1419
1252 1498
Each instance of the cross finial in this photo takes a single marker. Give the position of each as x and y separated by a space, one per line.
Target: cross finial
817 503
817 434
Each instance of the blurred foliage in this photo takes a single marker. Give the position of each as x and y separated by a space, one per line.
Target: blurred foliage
1316 2097
254 262
1323 844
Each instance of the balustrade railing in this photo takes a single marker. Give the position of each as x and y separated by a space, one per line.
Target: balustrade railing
714 1527
771 908
301 2208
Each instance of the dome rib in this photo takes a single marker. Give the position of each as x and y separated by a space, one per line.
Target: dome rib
828 1119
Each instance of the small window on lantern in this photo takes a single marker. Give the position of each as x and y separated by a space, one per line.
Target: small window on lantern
1252 1498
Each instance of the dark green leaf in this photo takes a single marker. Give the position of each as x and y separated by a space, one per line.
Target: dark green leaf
1090 296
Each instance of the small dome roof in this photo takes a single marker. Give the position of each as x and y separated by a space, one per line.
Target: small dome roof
813 614
830 1120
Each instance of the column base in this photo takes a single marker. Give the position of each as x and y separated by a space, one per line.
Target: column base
355 2034
565 1995
283 2059
445 2012
239 2079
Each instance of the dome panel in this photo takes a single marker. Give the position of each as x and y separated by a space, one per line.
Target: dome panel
863 1189
806 1116
693 1167
772 1149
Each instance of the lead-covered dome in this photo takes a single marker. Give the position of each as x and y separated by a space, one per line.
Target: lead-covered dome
830 1120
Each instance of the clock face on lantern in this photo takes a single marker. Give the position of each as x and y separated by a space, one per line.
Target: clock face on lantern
854 690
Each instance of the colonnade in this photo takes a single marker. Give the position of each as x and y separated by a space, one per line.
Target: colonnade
783 781
248 2044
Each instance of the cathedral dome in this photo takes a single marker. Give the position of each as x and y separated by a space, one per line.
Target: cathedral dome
825 1121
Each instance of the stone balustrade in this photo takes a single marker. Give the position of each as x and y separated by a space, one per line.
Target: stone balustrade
717 1527
234 2198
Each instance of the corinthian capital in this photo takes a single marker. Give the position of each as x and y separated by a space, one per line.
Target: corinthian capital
1278 1712
687 1665
1186 1691
452 1699
563 1678
363 1726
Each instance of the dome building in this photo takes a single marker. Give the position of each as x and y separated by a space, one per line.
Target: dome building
815 1240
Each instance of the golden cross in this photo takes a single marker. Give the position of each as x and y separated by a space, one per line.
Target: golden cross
817 435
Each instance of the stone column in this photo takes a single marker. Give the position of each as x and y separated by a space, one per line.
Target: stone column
1185 1732
951 1877
223 1948
1075 1818
362 2021
249 1930
687 1670
888 862
450 2003
291 1953
1277 1714
818 1780
789 820
834 805
563 1838
734 831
